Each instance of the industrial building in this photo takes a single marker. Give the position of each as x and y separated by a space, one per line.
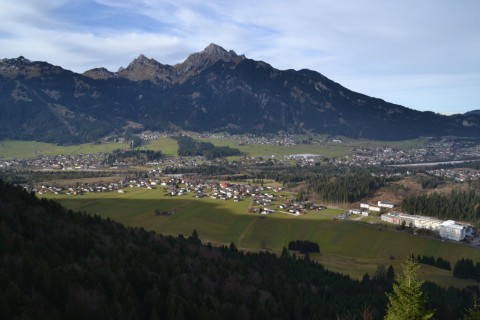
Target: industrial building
420 222
452 231
447 229
386 204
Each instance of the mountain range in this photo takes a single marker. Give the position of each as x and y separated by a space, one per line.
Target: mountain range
212 90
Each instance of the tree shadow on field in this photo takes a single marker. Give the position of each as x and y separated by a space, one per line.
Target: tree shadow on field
214 221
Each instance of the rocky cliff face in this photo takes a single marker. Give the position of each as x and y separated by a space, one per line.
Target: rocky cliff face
212 90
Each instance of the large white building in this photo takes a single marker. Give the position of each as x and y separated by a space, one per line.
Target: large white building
452 231
386 204
447 229
420 222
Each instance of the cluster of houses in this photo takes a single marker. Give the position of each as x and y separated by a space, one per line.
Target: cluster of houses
366 208
304 157
449 229
80 188
262 197
221 190
459 175
297 208
445 150
60 162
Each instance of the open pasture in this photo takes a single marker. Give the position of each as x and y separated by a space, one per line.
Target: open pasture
10 149
168 146
266 150
347 247
27 149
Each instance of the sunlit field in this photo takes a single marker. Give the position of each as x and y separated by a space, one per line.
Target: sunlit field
348 247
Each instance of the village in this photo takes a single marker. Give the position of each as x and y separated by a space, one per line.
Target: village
161 174
431 151
264 199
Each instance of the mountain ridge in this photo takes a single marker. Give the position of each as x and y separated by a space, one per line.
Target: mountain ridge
212 90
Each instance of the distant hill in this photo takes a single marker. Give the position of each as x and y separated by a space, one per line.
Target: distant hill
212 90
473 112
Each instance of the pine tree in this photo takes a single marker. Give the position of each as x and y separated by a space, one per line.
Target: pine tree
472 313
407 301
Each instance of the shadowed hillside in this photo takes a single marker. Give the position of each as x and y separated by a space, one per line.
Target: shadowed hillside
58 264
212 90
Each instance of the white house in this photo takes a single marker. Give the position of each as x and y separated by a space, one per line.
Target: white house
385 204
358 211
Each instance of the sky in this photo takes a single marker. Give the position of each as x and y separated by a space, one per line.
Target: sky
424 55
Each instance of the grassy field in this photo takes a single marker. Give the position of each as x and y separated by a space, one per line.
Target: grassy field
262 150
331 151
167 145
347 247
28 149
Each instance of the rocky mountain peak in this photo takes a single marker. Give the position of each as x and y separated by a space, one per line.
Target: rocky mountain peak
143 60
197 62
215 50
143 68
15 61
99 73
23 66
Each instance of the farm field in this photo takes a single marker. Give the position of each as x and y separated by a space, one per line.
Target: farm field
330 151
168 146
28 149
347 247
263 150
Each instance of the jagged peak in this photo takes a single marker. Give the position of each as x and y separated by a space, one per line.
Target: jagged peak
142 59
211 54
19 60
99 73
23 59
214 49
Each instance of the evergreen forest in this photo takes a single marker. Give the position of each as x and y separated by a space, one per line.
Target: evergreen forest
457 205
59 264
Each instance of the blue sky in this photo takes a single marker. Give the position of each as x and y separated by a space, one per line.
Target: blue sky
421 54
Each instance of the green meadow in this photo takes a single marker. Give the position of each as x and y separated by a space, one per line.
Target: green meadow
348 247
263 150
168 146
27 149
10 149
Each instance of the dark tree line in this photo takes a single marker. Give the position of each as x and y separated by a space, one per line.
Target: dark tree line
430 260
466 269
137 154
304 246
189 147
457 205
205 170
